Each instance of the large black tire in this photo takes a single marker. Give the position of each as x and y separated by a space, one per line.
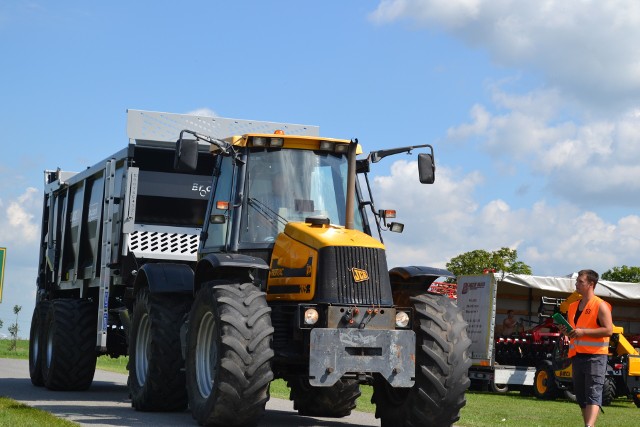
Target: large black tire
156 366
442 365
36 342
608 391
544 382
69 358
336 401
229 354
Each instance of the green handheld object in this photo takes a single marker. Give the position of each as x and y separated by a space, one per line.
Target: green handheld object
559 319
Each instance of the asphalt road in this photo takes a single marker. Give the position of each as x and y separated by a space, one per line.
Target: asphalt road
107 403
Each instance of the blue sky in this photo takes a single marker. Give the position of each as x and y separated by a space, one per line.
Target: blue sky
533 109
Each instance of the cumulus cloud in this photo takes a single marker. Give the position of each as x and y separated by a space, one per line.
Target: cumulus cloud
19 219
444 220
587 48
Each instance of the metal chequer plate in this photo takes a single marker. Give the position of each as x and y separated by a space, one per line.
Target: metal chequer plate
335 352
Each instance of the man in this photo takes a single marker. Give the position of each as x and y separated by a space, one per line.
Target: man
509 324
590 318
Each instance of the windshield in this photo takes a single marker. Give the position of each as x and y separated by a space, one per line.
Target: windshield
291 185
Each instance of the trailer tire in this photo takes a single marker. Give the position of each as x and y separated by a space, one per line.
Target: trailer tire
69 355
499 388
36 342
336 401
229 354
442 365
544 383
156 366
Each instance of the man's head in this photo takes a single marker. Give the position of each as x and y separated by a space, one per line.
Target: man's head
587 278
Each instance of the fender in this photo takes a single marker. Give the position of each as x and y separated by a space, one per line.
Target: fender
417 275
165 277
225 266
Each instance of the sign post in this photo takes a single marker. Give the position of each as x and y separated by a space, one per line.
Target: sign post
3 255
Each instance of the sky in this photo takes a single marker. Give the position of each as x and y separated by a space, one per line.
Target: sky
532 107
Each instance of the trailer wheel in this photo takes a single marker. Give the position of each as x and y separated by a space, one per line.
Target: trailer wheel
608 391
499 388
69 358
156 375
544 382
442 365
336 401
229 354
36 342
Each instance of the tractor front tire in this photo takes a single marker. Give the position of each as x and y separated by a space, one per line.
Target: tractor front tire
442 365
229 354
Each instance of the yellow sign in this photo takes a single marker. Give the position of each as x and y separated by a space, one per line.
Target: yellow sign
3 255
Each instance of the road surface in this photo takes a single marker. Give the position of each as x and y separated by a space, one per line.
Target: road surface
107 403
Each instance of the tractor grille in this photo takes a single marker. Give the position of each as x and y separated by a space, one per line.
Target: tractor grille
336 276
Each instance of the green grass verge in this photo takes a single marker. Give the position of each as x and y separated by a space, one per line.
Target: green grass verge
482 409
13 413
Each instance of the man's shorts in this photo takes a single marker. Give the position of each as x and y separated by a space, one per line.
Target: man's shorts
589 371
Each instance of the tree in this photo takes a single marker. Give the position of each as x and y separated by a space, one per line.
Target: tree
479 260
13 329
622 274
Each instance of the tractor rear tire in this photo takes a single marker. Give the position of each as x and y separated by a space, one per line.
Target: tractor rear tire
156 367
36 342
69 359
336 401
544 382
442 365
229 354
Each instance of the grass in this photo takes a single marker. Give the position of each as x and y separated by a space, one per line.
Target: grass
13 413
482 409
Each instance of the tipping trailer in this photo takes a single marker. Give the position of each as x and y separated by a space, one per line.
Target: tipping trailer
190 258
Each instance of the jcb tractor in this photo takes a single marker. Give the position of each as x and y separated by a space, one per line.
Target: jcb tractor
291 284
221 262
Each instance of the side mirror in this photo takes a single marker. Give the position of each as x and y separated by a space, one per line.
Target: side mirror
186 158
426 168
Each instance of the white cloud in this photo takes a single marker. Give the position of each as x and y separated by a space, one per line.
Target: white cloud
588 49
444 220
18 219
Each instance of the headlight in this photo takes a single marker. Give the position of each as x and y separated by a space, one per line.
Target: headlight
311 316
402 319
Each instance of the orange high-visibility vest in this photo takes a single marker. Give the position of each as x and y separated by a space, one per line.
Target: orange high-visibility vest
588 320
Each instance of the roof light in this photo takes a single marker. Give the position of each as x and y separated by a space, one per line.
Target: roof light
259 141
278 132
276 142
326 146
342 148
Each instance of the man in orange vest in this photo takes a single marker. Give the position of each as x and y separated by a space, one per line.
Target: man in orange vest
590 318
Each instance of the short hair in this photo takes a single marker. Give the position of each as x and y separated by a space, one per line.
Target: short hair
591 276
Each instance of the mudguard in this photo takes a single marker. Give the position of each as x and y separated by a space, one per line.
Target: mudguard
166 277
